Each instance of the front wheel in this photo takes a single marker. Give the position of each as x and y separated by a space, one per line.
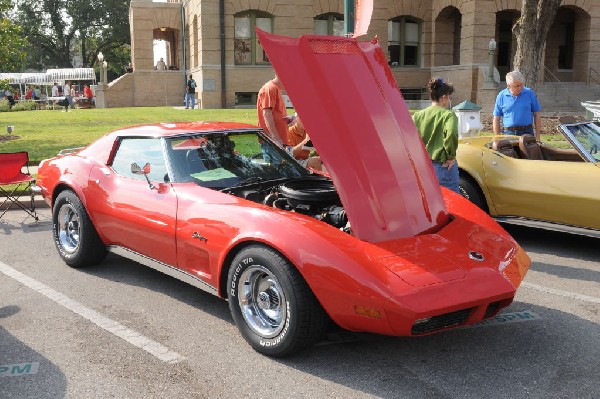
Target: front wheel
271 304
75 237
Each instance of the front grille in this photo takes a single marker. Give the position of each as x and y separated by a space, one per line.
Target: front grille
442 321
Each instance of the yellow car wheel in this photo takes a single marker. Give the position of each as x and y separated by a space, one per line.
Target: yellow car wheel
471 191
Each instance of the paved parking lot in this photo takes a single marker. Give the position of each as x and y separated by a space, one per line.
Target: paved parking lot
121 330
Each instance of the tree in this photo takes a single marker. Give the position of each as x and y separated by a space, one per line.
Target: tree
12 43
531 31
60 29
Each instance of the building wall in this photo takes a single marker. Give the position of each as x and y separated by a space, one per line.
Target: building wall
439 42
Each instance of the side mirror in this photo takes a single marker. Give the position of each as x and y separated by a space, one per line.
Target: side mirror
137 170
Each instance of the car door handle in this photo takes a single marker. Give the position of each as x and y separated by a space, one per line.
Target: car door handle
199 237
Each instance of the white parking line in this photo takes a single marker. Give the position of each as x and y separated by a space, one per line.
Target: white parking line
133 337
567 294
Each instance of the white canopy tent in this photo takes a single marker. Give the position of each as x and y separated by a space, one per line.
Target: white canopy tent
37 78
67 74
13 78
48 78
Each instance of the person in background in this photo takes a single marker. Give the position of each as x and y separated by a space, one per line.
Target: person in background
271 110
160 65
73 95
190 93
128 68
297 139
438 127
67 93
55 90
8 94
29 94
87 92
37 93
518 107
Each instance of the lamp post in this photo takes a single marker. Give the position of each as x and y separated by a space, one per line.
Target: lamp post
492 53
105 68
101 65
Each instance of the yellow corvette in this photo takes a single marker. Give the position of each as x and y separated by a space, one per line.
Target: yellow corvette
518 180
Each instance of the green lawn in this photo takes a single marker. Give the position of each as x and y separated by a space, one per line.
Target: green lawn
43 133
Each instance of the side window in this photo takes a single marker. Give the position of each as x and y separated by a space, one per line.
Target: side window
141 151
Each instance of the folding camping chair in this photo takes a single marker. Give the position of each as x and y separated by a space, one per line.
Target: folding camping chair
12 179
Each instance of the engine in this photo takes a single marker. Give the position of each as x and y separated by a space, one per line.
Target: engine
311 196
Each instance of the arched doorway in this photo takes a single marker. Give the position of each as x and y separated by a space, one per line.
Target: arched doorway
165 46
448 25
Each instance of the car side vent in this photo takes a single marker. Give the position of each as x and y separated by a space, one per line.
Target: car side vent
440 322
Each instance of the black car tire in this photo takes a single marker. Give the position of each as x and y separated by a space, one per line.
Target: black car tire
271 304
74 234
471 191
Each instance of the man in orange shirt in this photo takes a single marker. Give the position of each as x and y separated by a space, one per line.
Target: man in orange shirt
271 110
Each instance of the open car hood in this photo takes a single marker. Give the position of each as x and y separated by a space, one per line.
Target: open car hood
349 102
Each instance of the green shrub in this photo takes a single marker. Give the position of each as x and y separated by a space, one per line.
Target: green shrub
27 105
4 106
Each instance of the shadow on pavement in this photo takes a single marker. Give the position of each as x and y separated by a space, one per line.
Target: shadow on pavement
24 372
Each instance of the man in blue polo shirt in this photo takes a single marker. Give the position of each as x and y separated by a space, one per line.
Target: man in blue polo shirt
518 107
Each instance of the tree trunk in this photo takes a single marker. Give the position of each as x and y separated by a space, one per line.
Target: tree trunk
531 31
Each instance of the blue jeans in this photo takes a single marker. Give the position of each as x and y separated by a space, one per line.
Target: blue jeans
190 97
519 132
447 177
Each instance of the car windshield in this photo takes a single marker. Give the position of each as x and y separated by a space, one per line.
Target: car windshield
586 136
222 160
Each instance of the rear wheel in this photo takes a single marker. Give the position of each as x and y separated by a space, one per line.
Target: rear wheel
271 304
471 191
75 237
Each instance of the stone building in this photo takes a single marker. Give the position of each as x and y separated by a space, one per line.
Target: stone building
214 40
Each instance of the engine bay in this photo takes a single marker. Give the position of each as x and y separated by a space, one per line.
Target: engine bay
311 196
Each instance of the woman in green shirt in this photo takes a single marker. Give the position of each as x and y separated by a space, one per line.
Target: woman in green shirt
438 127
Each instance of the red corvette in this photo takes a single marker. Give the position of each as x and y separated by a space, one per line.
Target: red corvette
376 247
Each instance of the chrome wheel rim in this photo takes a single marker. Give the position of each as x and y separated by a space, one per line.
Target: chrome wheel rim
68 228
262 301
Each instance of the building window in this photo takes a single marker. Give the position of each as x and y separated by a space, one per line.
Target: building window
247 49
329 24
566 46
404 41
245 99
